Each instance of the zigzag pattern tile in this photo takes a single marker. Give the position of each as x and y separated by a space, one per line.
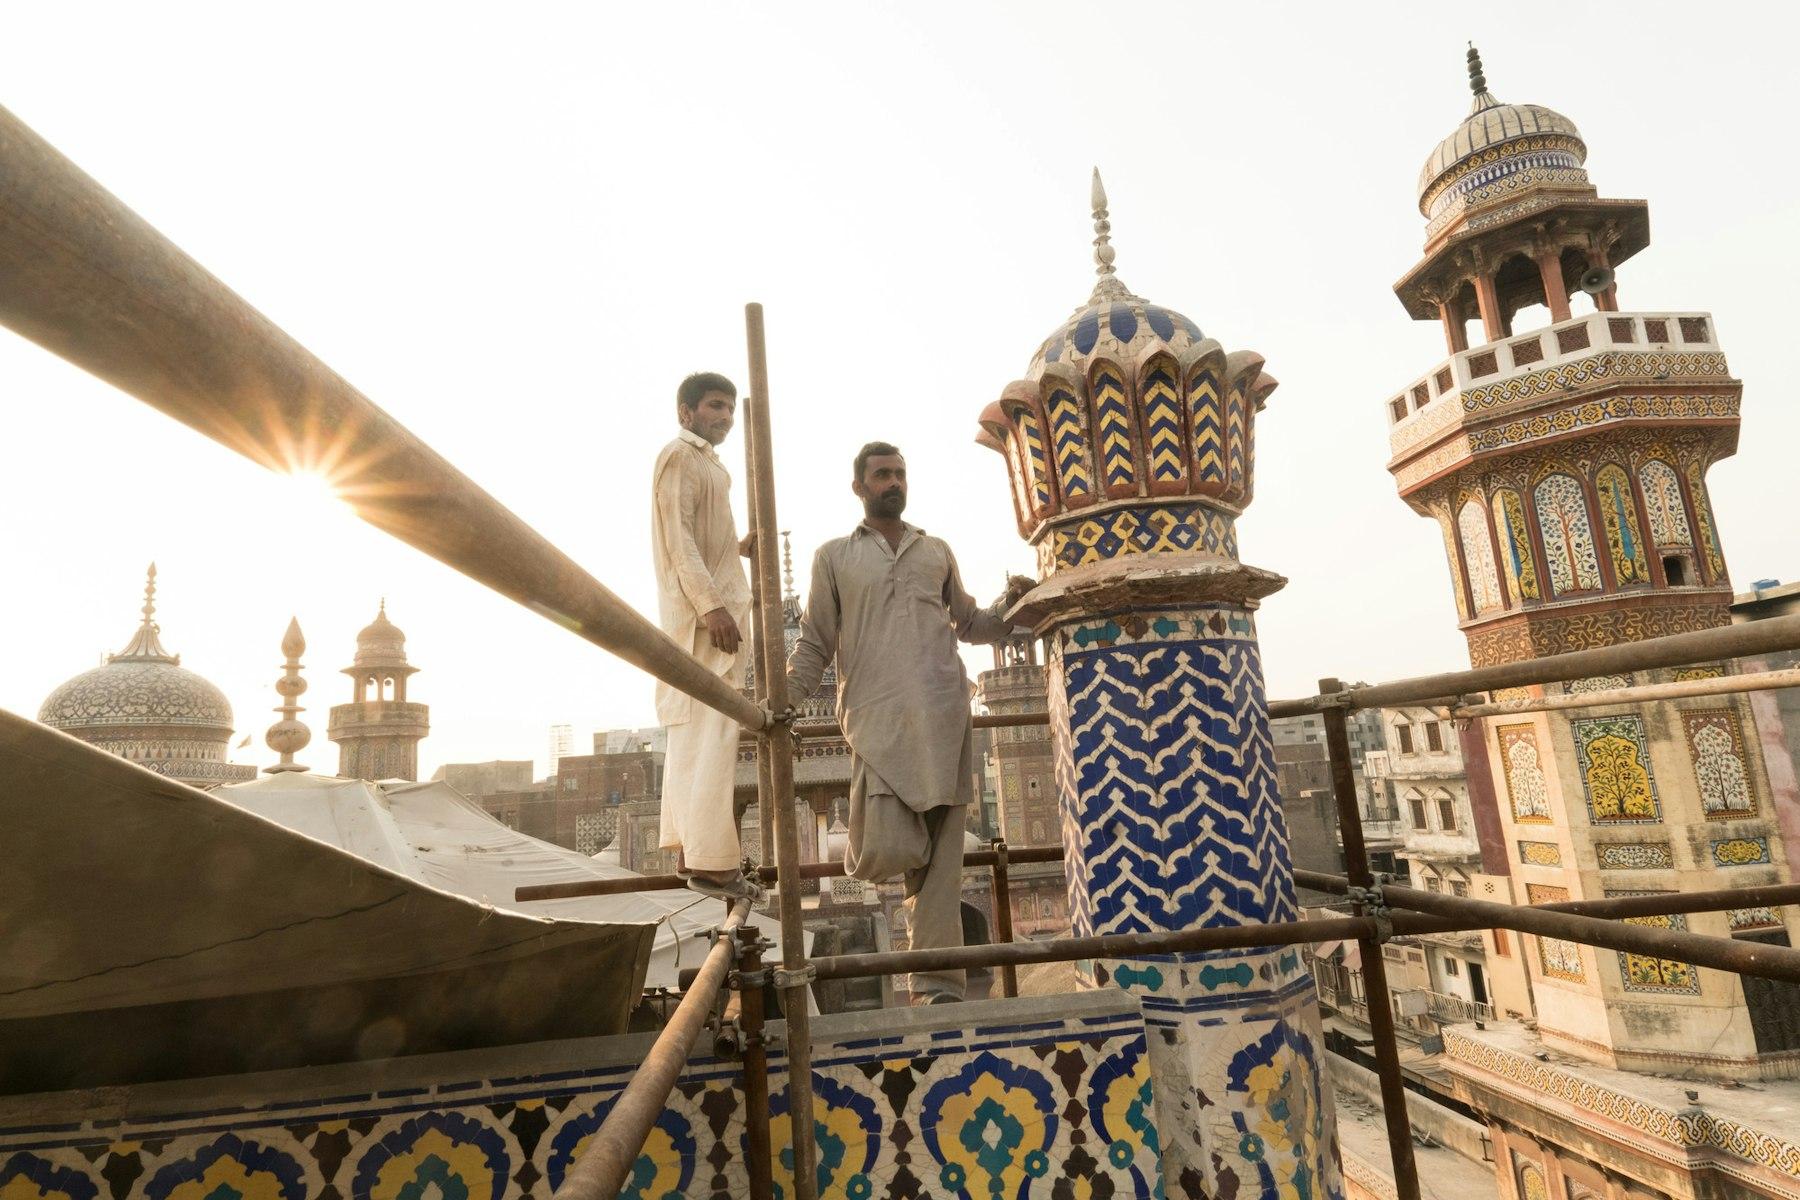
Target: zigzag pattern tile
1237 434
1070 445
1162 425
1112 420
1209 431
1168 787
1035 459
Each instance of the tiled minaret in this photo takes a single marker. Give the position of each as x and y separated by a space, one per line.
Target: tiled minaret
1129 443
1565 467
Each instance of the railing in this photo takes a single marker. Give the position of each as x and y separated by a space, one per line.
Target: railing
1453 1009
86 278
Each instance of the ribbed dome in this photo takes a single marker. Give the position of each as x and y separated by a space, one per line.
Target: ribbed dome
1116 325
1498 149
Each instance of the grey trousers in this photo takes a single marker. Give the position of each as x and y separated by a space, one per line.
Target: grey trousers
887 839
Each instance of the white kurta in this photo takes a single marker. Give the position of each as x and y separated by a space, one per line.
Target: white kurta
698 569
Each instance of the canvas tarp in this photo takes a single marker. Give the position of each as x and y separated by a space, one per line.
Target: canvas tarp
433 833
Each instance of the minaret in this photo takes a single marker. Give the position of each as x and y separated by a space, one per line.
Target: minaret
1130 449
379 731
1565 466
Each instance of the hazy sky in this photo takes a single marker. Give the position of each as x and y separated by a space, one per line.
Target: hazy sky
515 228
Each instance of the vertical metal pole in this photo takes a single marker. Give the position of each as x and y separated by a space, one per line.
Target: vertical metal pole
750 979
765 821
1375 987
777 750
1003 930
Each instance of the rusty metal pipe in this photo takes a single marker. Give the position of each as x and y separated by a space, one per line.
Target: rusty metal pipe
1003 929
777 747
88 279
769 875
1762 681
825 729
1675 650
749 978
1722 953
1114 945
600 1173
1381 1014
1661 904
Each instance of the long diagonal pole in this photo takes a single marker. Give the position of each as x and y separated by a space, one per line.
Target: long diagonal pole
88 279
777 750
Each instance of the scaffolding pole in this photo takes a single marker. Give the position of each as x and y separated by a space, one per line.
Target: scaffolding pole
777 747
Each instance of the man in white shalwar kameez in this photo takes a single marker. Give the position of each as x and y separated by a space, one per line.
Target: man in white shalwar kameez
704 604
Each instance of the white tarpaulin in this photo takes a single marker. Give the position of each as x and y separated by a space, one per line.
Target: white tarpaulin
433 833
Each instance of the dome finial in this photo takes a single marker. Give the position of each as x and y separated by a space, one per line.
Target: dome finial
288 736
1103 248
1109 286
787 564
144 645
1477 81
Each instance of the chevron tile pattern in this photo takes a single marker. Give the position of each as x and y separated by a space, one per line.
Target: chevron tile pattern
1070 445
1112 423
1167 777
1161 404
1205 411
1237 435
1036 461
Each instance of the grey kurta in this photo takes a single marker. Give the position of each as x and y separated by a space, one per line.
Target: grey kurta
892 619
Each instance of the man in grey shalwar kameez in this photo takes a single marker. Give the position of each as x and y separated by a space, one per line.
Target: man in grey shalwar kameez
888 603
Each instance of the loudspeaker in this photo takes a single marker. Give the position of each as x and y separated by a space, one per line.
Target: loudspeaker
1596 280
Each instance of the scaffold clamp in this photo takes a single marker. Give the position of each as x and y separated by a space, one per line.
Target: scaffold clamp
785 978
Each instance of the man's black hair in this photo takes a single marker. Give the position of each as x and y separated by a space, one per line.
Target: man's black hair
695 387
872 450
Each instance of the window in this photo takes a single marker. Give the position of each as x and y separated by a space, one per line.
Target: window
1434 734
1446 813
1434 884
1417 804
1675 570
1459 888
1502 946
1451 966
1404 732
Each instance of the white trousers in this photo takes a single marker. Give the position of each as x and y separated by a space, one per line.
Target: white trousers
698 775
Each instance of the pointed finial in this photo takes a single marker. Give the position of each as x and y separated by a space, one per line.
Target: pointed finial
382 610
1477 81
144 645
787 564
1103 248
288 736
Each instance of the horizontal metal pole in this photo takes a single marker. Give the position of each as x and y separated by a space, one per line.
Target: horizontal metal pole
1118 945
600 1172
1659 904
824 729
1722 953
1676 650
817 870
88 279
1756 681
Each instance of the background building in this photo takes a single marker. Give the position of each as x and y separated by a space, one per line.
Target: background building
379 731
1564 460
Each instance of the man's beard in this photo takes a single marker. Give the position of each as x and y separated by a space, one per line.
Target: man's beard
887 505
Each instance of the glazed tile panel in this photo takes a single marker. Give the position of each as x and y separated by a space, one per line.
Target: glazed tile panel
1013 1110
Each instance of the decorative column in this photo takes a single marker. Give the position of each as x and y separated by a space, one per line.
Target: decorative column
1130 447
1556 292
1456 336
